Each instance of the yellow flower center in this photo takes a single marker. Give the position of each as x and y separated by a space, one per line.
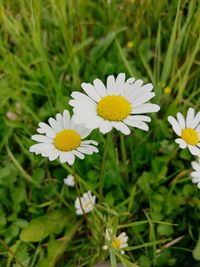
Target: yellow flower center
113 108
87 204
116 243
67 140
190 136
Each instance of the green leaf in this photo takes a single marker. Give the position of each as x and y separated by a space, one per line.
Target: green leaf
196 251
41 227
145 261
165 230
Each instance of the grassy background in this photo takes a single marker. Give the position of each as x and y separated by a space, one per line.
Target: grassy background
47 48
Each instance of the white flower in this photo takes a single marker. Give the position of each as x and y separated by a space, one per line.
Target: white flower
87 201
69 180
196 173
188 129
119 242
62 138
115 105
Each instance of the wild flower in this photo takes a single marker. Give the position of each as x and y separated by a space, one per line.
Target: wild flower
87 201
69 180
62 138
119 242
115 105
167 90
196 173
188 129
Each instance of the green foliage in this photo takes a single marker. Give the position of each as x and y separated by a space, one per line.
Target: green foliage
47 48
41 227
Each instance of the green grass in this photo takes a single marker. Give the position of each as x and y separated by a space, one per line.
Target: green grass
47 48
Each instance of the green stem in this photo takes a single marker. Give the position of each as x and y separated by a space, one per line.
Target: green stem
11 252
79 194
26 176
113 259
124 156
102 169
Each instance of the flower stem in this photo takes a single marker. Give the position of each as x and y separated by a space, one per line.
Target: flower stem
79 194
102 169
124 156
113 259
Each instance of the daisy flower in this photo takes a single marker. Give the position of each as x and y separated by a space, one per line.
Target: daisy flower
62 138
115 105
196 173
118 243
69 180
87 201
188 130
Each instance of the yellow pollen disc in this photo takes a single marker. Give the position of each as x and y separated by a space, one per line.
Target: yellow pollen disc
87 204
190 136
116 243
67 140
113 108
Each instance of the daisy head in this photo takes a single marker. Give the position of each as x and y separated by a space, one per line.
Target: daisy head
188 131
116 242
62 138
87 201
115 105
196 173
69 180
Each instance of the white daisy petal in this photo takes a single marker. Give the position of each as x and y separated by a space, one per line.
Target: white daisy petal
195 180
100 87
195 175
142 99
66 119
120 80
190 117
196 121
42 138
198 129
122 127
85 150
84 132
105 127
137 124
92 148
176 127
46 129
139 118
88 142
54 125
194 150
54 155
181 143
78 154
145 108
90 91
81 97
130 81
41 147
59 120
111 86
71 158
181 120
196 165
67 157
